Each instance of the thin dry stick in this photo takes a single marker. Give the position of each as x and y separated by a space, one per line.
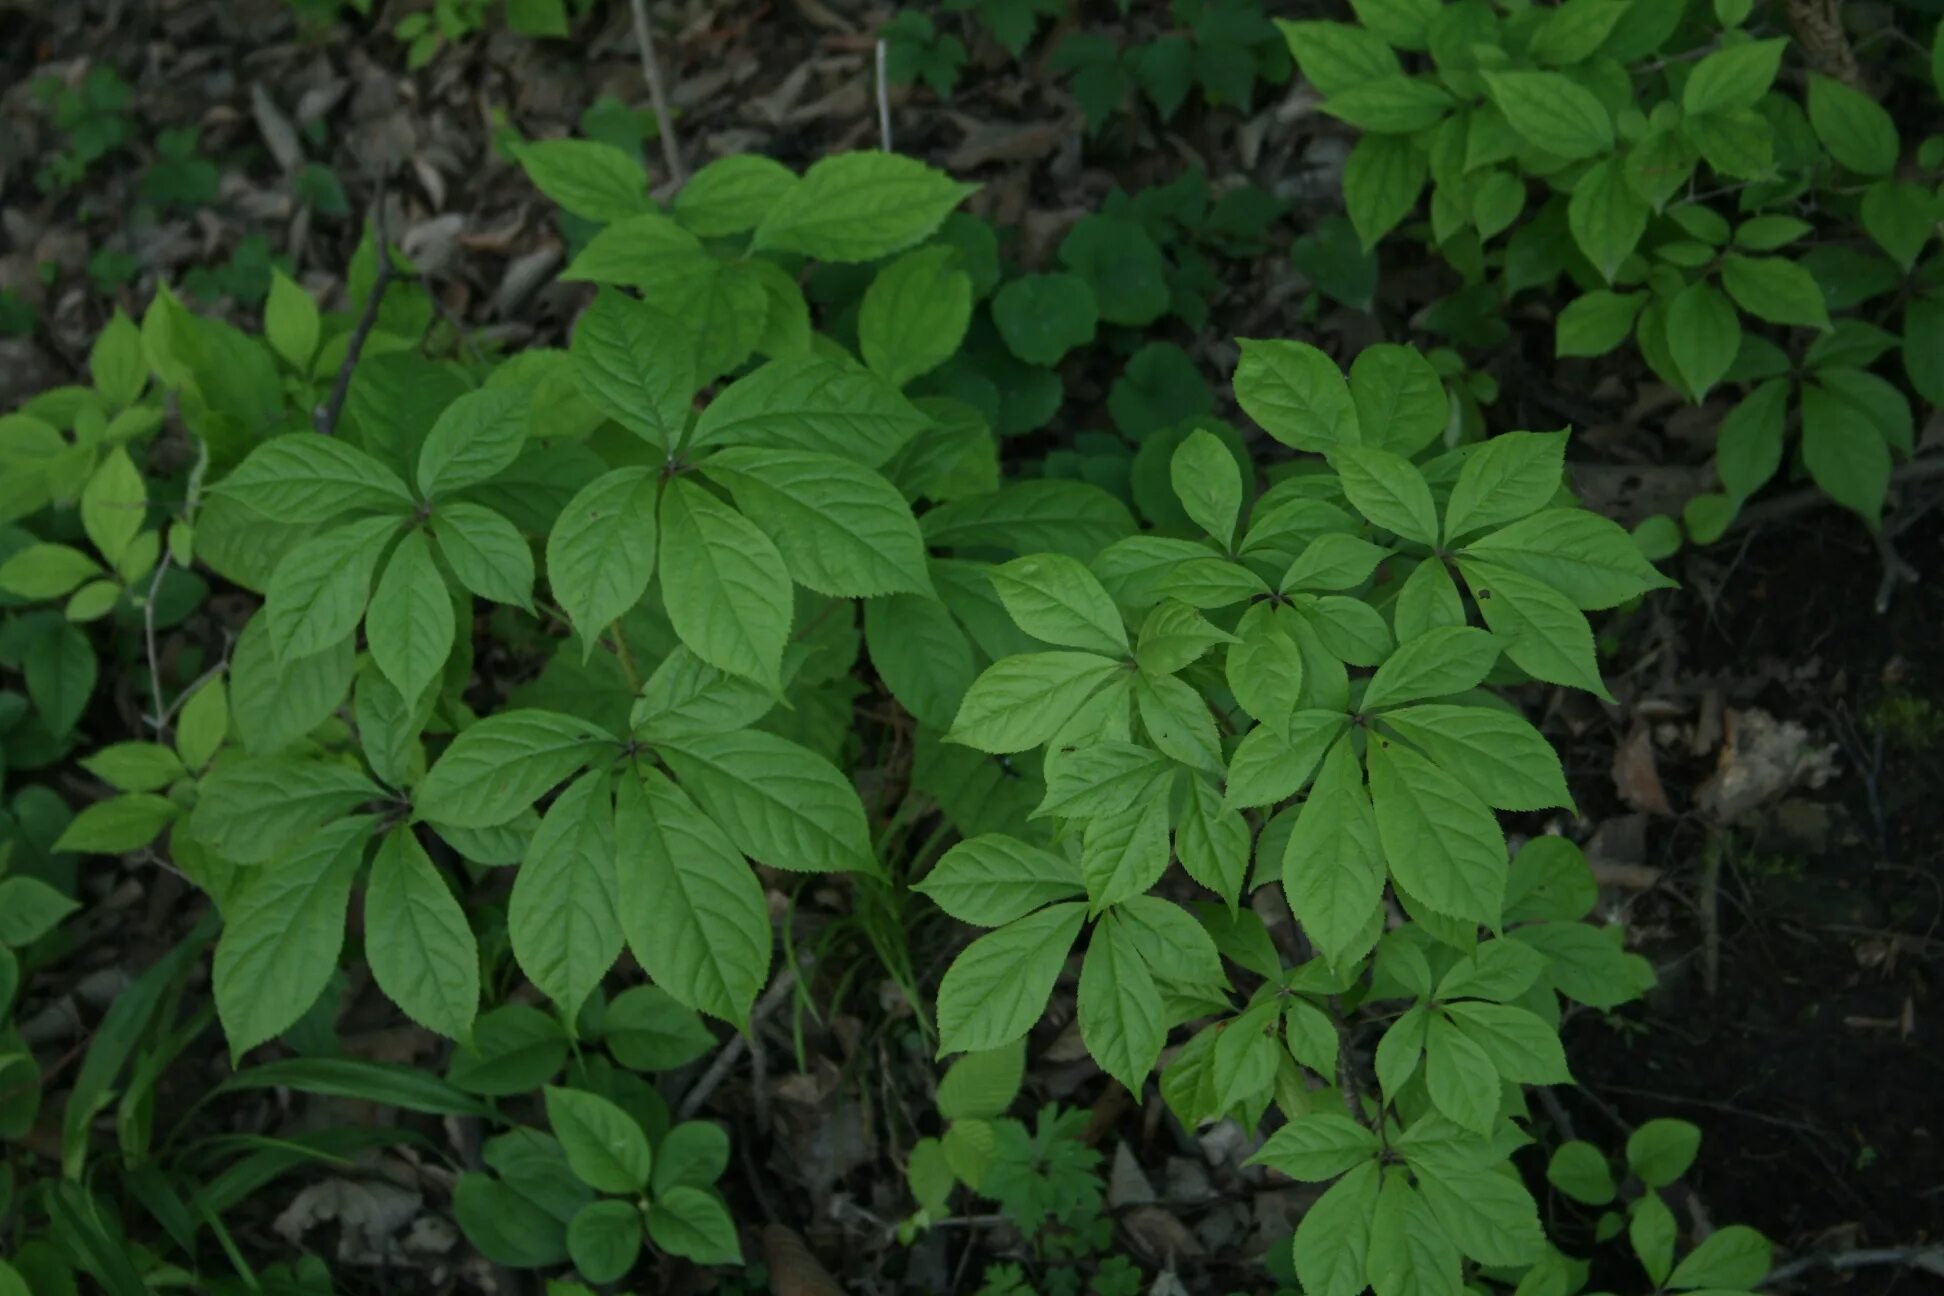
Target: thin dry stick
325 416
725 1061
651 69
1930 1259
884 99
158 718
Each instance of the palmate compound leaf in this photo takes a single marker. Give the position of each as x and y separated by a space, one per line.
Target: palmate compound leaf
282 932
422 951
692 909
842 528
1122 1019
496 769
563 917
1441 842
997 987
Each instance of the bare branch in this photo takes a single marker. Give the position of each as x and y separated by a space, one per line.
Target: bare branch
664 118
325 416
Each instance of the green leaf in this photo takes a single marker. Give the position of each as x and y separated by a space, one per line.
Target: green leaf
1580 1171
914 314
381 1084
693 911
29 909
781 804
1403 23
1500 758
1606 217
1317 1147
646 1028
1208 484
1333 561
1334 56
1125 853
1854 128
604 1240
860 206
1387 490
1020 702
60 669
842 529
475 437
515 1049
276 704
1703 334
282 930
594 181
982 1085
731 195
1588 558
290 321
1901 217
1178 721
921 655
1662 1150
1735 1258
114 504
116 363
724 585
601 552
112 827
1772 289
1333 866
1334 1236
1381 182
1460 1077
1732 78
1068 517
1843 453
1213 842
1269 765
1487 1213
1401 402
485 551
507 1227
1390 105
1437 663
1539 628
691 1223
562 917
694 1153
410 626
1576 30
422 951
1174 636
1652 1231
248 810
637 365
1595 323
1409 1253
317 592
992 879
811 403
1041 317
500 766
1498 970
605 1147
306 478
1552 111
1428 600
1122 1021
1523 1048
1296 394
134 766
1442 843
1506 478
997 987
46 571
1122 266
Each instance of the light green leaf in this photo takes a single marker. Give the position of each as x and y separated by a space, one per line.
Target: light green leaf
1522 1046
1020 702
422 951
693 911
605 1147
46 571
781 804
114 505
1332 866
1552 111
1703 334
997 987
1334 1235
1175 946
1125 853
1606 217
1213 842
842 529
1652 1230
1428 600
1506 478
1178 721
1735 1258
1387 490
305 478
594 181
644 1027
691 1223
1296 394
1317 1147
1053 516
1773 289
290 321
1437 663
248 810
1580 1170
1409 1253
474 438
724 584
113 827
1442 843
1390 105
1401 402
317 592
637 365
1539 628
1589 559
410 626
1381 183
1732 78
1333 561
1122 1021
1500 758
914 314
992 879
1487 1213
30 908
1662 1150
1269 766
811 403
1334 56
860 206
116 362
731 195
1595 323
1208 484
563 916
601 552
1174 636
282 930
485 551
920 653
500 766
604 1239
1056 599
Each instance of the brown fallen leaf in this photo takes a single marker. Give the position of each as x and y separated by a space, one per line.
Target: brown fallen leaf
794 1271
1636 775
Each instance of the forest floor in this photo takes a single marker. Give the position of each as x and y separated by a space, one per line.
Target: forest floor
1765 803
